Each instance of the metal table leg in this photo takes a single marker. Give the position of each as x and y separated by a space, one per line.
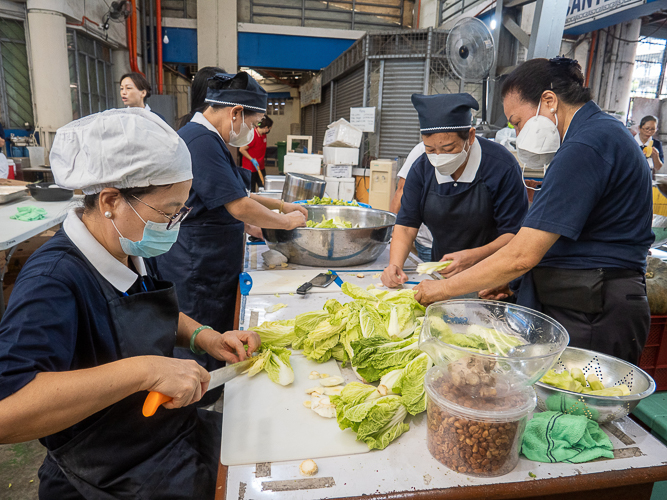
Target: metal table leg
3 269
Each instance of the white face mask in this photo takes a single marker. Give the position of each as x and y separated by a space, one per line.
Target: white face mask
538 141
245 135
448 163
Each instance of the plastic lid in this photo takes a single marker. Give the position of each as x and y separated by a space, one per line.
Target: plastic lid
526 402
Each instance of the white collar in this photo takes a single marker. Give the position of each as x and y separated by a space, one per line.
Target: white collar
202 120
471 169
119 275
146 107
639 141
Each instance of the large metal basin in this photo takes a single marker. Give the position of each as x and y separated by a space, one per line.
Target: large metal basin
335 247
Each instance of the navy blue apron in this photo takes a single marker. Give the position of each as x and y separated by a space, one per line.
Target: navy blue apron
124 455
205 263
459 221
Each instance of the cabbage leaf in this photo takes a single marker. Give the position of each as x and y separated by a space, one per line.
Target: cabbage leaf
276 333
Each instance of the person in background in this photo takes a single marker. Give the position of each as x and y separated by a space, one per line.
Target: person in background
581 250
253 153
134 90
467 190
206 260
2 136
424 239
652 148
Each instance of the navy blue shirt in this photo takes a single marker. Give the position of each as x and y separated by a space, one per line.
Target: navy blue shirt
658 145
597 195
498 170
216 179
57 320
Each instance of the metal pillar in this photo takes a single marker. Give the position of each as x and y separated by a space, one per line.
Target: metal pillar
547 31
427 62
379 111
544 41
366 72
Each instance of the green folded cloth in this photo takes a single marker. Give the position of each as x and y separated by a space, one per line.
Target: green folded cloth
552 436
29 213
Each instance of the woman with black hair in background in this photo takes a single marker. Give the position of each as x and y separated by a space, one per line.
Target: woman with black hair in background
198 93
134 90
206 260
254 153
581 251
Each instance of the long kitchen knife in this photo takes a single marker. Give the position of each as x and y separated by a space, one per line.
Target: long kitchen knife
218 377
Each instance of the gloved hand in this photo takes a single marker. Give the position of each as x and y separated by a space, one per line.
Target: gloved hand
255 163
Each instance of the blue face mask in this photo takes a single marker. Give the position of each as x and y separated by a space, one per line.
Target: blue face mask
155 241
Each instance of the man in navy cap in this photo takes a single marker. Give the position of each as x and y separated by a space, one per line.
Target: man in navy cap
468 191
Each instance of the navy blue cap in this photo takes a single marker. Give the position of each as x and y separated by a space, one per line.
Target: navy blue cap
444 112
251 95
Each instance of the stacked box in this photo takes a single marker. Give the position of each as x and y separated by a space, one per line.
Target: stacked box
339 171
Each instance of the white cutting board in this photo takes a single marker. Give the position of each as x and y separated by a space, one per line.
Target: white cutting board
266 422
287 281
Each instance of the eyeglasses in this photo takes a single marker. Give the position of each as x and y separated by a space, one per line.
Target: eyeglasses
173 219
649 129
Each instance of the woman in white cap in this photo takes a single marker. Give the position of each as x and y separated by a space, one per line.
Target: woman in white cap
90 327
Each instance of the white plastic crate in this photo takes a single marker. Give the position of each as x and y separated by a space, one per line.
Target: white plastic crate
346 189
332 187
339 170
341 134
341 156
297 163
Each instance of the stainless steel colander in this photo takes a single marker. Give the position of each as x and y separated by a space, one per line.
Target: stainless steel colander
611 371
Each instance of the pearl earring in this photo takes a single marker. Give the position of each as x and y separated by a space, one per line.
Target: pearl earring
108 214
553 111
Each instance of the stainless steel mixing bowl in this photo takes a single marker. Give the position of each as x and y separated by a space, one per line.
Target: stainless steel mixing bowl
611 371
335 247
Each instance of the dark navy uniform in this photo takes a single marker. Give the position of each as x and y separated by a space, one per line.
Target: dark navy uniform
63 315
463 215
597 195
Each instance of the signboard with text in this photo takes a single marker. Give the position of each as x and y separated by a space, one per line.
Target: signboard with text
584 11
311 92
363 119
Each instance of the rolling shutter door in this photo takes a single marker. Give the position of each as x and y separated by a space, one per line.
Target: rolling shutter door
399 123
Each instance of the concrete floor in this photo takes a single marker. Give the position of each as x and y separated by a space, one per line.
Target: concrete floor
19 464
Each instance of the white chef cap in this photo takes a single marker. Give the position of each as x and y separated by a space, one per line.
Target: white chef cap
121 148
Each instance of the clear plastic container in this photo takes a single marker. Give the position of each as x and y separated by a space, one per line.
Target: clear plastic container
535 340
473 434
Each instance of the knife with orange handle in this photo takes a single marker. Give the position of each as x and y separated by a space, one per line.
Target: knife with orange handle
218 377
